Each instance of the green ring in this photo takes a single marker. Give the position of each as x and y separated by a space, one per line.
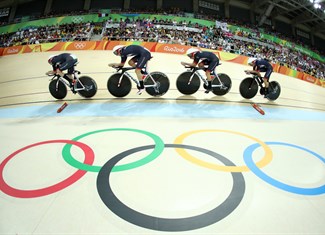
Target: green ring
159 146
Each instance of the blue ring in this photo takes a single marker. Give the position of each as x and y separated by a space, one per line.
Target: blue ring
248 158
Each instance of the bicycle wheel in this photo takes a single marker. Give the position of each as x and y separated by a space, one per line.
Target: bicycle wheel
58 89
248 88
88 85
183 85
225 80
162 84
116 89
274 91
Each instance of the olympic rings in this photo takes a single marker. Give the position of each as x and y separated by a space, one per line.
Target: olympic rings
263 162
248 157
156 223
89 159
163 224
159 146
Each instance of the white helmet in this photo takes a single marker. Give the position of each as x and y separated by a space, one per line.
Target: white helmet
251 60
117 48
191 51
50 59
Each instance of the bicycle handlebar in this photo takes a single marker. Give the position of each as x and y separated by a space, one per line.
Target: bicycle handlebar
197 68
194 68
254 75
124 69
57 75
53 75
251 73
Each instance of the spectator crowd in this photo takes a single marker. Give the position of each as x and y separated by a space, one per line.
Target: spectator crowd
173 32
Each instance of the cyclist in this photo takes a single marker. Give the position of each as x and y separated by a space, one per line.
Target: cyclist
61 62
261 65
201 59
140 57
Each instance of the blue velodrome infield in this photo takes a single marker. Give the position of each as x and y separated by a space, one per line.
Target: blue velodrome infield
172 110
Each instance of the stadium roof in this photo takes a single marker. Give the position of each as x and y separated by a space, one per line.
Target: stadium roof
307 13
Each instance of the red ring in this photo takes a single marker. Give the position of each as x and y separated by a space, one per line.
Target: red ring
89 159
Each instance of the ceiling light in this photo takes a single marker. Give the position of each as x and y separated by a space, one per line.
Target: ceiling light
316 5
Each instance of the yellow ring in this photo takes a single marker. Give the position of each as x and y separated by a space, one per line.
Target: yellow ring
263 162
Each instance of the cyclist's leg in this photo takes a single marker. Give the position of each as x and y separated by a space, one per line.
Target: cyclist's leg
69 66
133 61
211 67
141 64
202 64
70 73
266 79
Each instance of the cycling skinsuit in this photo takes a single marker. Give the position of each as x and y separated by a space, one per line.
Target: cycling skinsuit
140 55
64 61
263 66
208 58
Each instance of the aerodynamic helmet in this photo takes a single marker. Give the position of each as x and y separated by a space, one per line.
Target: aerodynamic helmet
50 59
251 60
190 52
117 49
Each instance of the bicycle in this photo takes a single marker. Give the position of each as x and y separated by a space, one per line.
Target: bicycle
188 82
120 83
85 86
248 88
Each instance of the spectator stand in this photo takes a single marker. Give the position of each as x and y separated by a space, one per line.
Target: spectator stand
163 29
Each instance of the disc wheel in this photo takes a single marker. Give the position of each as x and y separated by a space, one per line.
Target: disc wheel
248 88
89 87
274 91
225 80
183 85
58 89
162 84
119 90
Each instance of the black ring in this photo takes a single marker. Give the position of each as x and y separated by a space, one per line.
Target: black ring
164 224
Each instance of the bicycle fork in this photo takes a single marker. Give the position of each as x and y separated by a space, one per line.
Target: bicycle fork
58 81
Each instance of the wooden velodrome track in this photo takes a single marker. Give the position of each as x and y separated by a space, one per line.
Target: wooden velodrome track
198 164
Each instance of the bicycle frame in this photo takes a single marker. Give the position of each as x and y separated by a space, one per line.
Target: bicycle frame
259 80
195 70
64 81
136 81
